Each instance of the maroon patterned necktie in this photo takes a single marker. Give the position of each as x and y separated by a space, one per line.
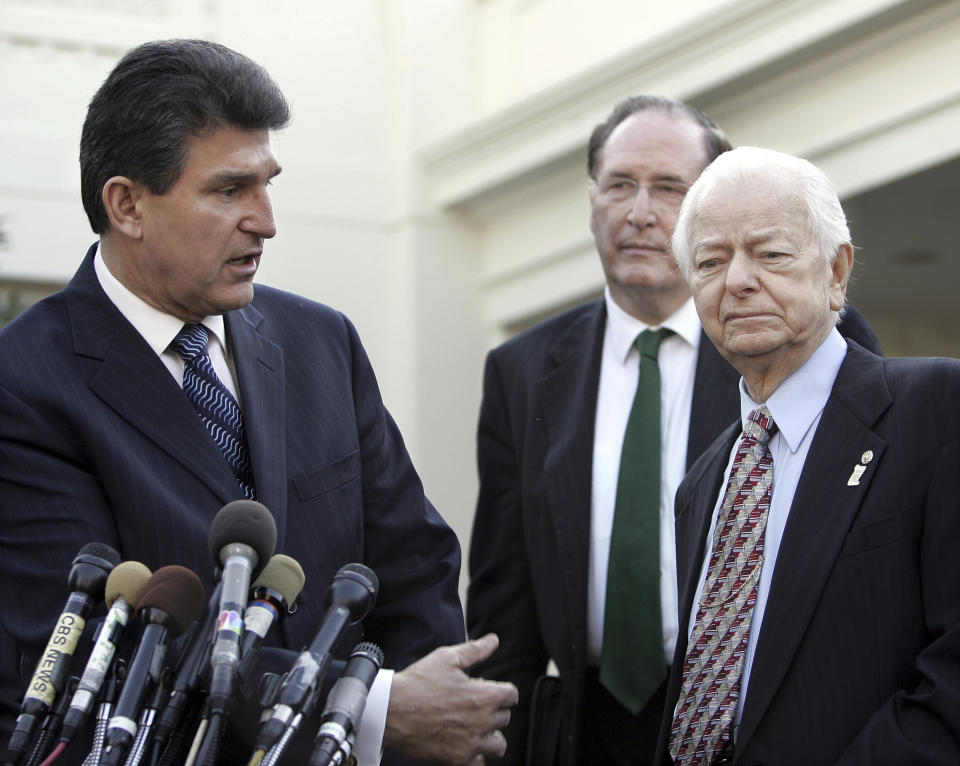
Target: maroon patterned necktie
712 668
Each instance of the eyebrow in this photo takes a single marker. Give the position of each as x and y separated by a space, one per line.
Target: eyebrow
619 174
765 236
756 239
230 177
670 177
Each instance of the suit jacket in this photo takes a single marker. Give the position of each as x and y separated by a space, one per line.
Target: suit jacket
99 443
858 657
530 547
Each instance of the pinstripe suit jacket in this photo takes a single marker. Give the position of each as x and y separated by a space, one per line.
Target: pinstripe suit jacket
858 657
98 443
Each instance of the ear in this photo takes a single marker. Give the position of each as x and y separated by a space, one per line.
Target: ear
592 191
120 198
840 275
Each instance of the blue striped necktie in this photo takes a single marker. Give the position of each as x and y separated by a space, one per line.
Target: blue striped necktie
216 406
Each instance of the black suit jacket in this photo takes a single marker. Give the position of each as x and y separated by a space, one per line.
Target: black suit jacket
858 657
99 443
530 546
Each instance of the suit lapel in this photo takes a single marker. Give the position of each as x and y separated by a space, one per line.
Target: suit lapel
130 379
694 517
696 499
565 398
716 399
261 383
823 509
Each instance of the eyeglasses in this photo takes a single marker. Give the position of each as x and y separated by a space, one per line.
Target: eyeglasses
666 194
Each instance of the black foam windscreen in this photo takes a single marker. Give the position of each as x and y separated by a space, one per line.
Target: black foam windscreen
175 590
100 551
247 522
88 573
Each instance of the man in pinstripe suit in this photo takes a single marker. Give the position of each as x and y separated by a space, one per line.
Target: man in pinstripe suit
99 443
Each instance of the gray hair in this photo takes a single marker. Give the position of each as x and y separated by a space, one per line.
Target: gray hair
715 141
749 164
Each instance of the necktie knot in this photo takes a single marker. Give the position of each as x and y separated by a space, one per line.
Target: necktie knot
760 426
648 342
191 341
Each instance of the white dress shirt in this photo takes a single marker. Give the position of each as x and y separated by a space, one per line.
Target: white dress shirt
619 371
158 330
796 407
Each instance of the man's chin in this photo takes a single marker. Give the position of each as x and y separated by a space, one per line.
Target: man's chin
237 299
751 343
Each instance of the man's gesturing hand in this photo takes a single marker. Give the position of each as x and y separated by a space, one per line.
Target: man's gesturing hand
437 713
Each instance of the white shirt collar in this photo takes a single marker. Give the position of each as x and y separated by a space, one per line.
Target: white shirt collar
623 329
799 399
157 327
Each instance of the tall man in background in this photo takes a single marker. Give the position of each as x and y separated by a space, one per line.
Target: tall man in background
817 537
569 561
99 442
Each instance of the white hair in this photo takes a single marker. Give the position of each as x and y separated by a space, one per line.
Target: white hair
748 164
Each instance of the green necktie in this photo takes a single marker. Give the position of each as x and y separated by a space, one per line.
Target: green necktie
632 666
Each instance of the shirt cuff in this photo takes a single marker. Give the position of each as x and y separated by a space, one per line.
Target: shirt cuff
369 745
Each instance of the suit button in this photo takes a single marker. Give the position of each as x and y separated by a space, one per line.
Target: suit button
725 756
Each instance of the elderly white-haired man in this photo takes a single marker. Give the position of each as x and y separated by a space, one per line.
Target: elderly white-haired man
817 538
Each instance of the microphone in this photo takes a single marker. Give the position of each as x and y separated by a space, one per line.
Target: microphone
271 594
171 600
88 576
243 535
345 706
108 696
47 734
350 598
123 588
192 666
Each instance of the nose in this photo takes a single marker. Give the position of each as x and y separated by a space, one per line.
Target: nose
741 277
259 218
641 213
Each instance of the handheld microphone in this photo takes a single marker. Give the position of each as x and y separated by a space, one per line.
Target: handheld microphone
171 600
345 705
145 726
243 535
108 696
47 733
271 594
123 588
88 576
350 598
192 666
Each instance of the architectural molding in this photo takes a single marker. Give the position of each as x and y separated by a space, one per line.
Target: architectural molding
101 27
739 42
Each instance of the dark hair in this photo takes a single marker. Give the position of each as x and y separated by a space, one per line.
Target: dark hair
160 95
715 141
